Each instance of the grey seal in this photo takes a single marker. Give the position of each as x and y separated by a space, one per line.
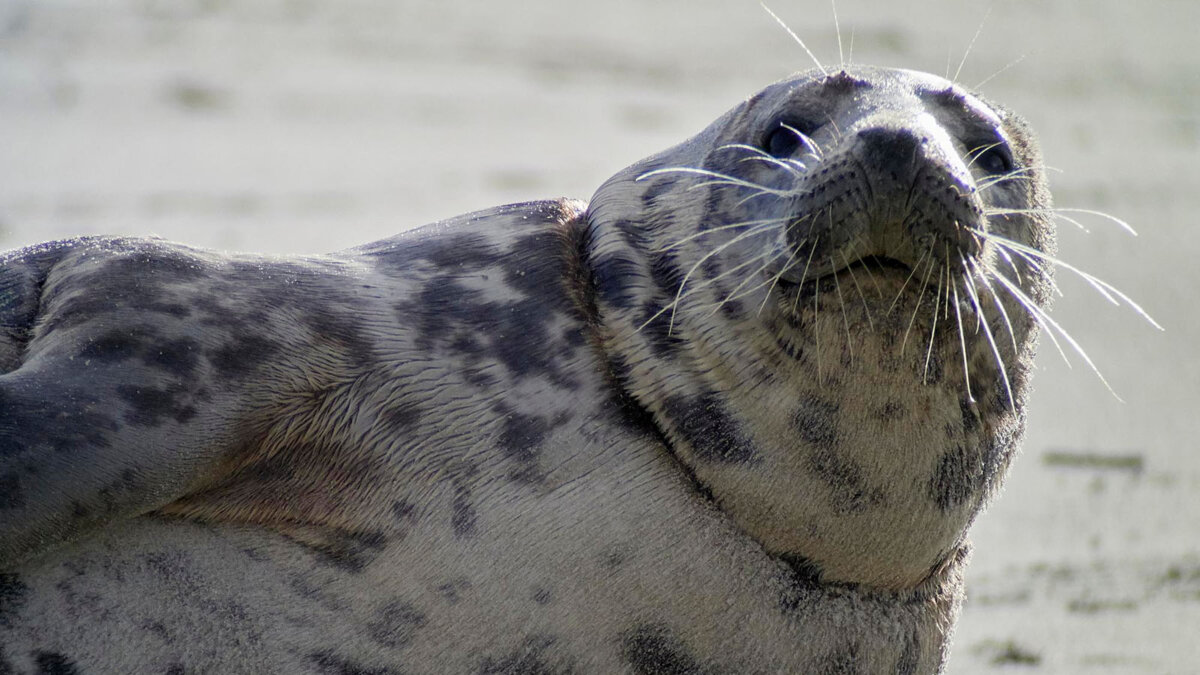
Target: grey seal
734 414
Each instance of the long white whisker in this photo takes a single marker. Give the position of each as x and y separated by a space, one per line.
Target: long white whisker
734 295
987 332
967 53
812 148
995 299
1103 287
845 317
803 276
789 164
779 275
1038 311
797 39
932 329
679 293
1059 210
731 226
866 306
962 340
971 289
998 72
837 28
721 178
920 296
976 153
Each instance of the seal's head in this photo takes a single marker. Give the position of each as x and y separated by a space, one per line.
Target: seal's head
829 302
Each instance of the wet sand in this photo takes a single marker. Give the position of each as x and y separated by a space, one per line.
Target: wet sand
297 126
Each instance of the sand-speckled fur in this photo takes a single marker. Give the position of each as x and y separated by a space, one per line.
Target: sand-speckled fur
494 445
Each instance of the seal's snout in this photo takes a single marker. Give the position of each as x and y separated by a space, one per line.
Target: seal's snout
896 190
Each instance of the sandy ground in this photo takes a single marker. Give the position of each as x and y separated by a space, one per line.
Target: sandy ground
299 126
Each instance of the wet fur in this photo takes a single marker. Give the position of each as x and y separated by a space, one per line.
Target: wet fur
548 437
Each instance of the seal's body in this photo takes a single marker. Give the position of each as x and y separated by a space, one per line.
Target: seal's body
735 414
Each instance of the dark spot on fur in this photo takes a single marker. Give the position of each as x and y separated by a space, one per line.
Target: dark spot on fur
652 649
817 422
893 410
479 377
932 373
343 333
175 669
463 519
849 491
401 417
403 511
116 345
703 422
177 357
617 556
805 571
457 319
453 589
242 357
655 190
842 661
633 234
910 658
521 439
12 597
54 416
542 596
348 551
12 495
151 406
157 629
952 431
54 663
535 656
970 420
332 664
657 326
614 277
732 309
396 625
959 475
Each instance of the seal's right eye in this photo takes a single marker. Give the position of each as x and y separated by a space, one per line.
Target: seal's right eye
786 140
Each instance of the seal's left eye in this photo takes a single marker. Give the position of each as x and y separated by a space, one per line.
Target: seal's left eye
996 159
785 140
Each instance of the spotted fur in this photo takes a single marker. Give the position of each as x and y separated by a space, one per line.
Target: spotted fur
684 428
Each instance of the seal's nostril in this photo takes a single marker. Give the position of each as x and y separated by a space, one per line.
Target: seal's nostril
890 149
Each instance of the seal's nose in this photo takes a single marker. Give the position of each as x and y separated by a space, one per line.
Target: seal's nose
892 151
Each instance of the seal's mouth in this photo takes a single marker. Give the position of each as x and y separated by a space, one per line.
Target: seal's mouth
874 262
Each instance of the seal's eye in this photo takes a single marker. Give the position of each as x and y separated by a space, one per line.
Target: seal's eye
786 140
995 159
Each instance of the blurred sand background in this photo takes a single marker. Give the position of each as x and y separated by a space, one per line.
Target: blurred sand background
305 126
